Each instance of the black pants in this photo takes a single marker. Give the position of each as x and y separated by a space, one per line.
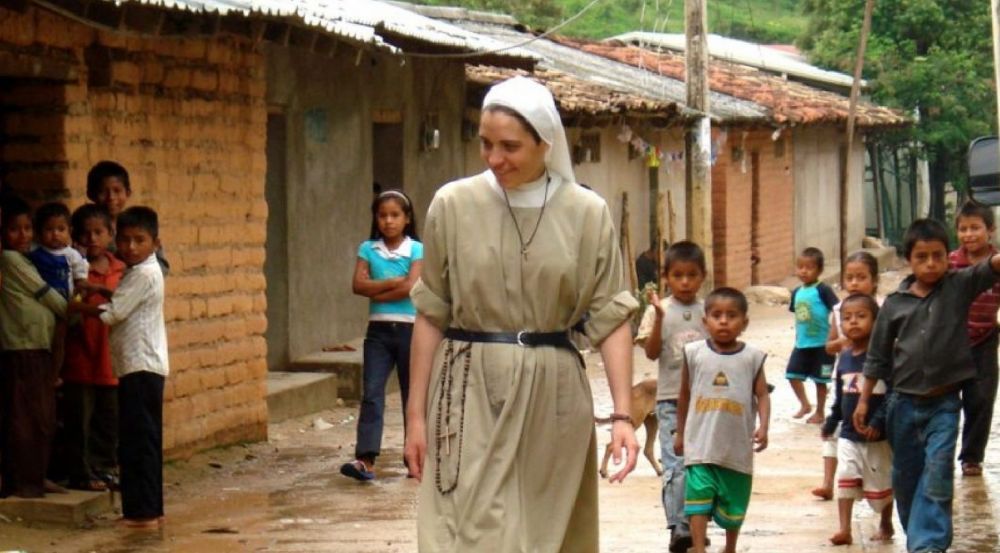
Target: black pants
90 430
140 444
28 413
978 397
387 345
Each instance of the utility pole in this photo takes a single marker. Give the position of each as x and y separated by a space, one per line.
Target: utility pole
698 149
845 179
995 5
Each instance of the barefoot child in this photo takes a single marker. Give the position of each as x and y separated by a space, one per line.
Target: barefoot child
811 303
975 228
666 327
860 277
139 356
90 390
863 457
722 389
920 347
388 266
29 309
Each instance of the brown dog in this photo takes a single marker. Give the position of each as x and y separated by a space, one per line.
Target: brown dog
643 413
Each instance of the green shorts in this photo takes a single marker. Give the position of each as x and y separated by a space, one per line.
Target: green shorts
718 492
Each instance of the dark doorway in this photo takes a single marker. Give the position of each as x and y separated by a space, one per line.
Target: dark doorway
276 247
387 158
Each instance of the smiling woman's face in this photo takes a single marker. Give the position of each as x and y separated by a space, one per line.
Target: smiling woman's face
509 149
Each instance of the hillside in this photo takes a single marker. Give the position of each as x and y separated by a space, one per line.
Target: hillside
780 21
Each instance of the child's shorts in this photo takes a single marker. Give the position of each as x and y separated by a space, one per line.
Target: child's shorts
718 492
864 470
810 363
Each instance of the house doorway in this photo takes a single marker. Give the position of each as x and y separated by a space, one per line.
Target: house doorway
33 159
755 219
276 246
387 151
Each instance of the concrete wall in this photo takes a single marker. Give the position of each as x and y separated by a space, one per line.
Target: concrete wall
187 118
817 170
329 105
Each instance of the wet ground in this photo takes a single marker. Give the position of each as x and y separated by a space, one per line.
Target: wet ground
286 495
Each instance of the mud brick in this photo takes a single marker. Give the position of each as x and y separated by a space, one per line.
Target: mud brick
260 303
186 383
177 77
242 304
126 72
16 27
214 377
60 32
219 306
153 72
176 309
256 324
205 80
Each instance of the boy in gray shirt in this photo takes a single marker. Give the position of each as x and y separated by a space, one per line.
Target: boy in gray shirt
667 326
920 346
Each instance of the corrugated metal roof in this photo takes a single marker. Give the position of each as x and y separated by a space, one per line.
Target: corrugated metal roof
746 53
599 70
367 22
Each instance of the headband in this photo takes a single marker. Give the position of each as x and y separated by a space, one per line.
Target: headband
395 194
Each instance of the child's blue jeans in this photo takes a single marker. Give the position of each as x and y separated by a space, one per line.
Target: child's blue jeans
672 492
387 345
922 433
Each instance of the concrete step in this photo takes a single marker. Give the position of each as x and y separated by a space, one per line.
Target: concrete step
71 508
293 394
346 366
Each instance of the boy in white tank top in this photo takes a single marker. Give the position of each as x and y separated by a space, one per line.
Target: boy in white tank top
723 390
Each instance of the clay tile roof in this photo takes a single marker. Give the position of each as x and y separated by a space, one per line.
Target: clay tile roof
790 102
575 96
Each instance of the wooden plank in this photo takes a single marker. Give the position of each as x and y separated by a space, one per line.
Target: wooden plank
387 116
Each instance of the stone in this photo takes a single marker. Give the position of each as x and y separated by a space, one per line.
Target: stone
768 295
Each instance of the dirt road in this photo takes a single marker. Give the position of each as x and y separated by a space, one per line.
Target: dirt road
287 496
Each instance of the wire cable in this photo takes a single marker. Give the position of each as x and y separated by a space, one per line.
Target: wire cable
467 55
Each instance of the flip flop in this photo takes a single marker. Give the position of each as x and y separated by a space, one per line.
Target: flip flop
357 471
972 469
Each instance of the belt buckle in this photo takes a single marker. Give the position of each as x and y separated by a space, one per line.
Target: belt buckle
520 338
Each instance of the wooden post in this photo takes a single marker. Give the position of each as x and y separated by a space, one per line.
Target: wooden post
661 210
698 149
845 179
672 218
626 244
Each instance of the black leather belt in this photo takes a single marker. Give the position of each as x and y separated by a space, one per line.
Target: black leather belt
559 339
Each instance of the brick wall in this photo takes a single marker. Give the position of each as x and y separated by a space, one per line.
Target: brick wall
740 237
187 118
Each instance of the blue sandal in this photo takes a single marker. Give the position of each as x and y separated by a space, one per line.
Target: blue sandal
357 471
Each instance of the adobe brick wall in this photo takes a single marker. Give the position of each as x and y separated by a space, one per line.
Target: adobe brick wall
187 118
733 224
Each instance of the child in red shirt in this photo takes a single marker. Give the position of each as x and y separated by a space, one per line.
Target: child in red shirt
90 404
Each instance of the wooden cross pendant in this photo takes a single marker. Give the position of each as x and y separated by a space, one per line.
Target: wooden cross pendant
446 436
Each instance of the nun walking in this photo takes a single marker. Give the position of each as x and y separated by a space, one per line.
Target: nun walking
500 426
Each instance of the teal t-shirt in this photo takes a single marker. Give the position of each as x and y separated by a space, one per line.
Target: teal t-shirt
812 305
384 264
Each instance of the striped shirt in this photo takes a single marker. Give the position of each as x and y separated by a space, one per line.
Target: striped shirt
983 312
135 315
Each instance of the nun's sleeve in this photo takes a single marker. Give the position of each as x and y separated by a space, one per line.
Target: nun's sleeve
612 303
431 294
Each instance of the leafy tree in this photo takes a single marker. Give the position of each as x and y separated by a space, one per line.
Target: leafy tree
932 57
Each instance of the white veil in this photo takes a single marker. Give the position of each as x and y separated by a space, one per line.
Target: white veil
535 103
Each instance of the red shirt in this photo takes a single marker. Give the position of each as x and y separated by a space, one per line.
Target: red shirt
88 352
983 312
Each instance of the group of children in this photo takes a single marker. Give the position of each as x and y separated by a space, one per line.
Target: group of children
83 349
902 371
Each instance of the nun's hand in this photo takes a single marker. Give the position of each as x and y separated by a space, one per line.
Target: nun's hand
415 447
623 436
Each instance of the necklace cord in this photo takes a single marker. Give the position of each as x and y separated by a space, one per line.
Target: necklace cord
517 227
